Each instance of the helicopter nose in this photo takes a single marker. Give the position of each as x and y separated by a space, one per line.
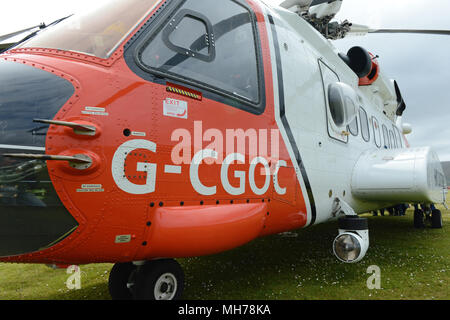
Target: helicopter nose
32 217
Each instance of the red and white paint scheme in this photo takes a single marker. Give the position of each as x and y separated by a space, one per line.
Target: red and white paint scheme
192 127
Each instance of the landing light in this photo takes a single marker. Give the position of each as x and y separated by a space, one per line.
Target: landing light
350 247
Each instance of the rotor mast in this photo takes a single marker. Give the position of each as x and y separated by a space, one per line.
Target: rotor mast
319 14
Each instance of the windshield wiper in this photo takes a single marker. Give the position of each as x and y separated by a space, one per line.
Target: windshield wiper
41 27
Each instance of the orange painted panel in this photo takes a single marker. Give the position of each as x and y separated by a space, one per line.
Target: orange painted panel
203 230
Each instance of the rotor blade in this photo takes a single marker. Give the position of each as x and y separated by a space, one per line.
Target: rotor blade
291 3
316 2
304 4
438 32
362 30
10 35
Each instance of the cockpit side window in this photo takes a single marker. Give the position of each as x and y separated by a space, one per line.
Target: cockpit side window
209 46
398 137
364 124
387 144
376 132
353 127
392 139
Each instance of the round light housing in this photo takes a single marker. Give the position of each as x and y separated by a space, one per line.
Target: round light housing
349 247
343 102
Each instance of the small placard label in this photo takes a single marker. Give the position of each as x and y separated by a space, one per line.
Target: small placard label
175 108
96 111
91 188
138 134
123 238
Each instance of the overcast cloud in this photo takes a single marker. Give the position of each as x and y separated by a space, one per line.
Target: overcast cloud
420 63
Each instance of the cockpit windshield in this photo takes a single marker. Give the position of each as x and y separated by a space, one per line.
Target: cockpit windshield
97 32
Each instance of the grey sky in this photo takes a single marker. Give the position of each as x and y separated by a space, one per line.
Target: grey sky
420 63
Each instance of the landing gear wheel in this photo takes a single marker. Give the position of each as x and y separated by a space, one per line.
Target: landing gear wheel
119 281
436 219
159 280
419 219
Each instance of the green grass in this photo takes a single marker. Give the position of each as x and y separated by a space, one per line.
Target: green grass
415 264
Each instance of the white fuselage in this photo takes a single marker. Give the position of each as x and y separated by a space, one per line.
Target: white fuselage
309 63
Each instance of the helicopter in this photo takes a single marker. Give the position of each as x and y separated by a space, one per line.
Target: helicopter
150 130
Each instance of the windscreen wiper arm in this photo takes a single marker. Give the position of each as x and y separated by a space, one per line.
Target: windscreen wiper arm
41 27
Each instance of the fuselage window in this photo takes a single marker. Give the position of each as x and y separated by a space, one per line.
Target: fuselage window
398 137
376 132
365 132
209 45
353 127
387 144
392 139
